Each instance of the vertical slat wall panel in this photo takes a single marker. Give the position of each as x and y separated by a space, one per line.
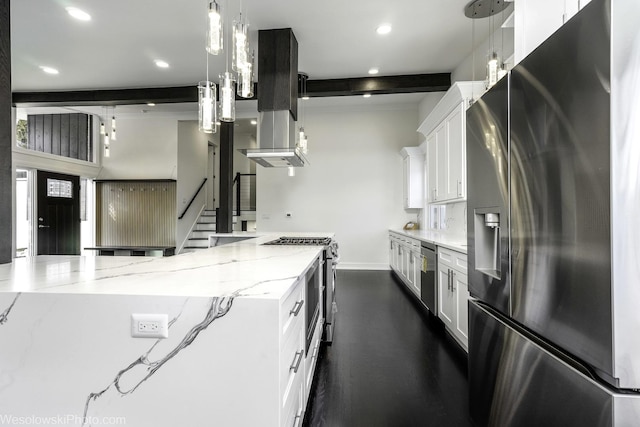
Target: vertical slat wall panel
31 134
136 213
82 137
55 140
73 136
64 135
39 133
46 133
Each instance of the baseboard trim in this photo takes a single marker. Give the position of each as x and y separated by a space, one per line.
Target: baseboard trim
362 266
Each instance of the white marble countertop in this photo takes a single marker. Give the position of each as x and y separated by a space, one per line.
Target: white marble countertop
245 268
438 239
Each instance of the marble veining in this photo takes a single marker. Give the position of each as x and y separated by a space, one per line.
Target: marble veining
4 316
213 272
218 307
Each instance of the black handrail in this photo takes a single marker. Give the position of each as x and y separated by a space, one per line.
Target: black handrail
237 180
192 199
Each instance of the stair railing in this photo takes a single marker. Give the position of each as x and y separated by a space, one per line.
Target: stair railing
192 199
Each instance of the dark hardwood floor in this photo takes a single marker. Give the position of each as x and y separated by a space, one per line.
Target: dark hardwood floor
390 363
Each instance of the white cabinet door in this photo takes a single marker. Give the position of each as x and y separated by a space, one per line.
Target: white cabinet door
446 306
442 159
412 177
457 164
413 278
461 292
392 252
406 181
432 167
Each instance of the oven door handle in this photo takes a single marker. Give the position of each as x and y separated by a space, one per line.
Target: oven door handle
297 307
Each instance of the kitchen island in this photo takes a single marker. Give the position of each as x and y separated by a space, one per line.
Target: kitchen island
235 352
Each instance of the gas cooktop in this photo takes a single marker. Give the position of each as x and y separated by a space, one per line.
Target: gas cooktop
306 241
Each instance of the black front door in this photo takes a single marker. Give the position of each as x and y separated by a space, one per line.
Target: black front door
58 218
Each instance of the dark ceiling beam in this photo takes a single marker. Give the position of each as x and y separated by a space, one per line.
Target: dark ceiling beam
375 85
379 85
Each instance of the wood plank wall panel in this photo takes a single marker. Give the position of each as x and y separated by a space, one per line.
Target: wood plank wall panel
55 140
6 205
136 213
60 134
64 135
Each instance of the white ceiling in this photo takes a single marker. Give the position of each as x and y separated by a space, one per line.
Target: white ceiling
336 38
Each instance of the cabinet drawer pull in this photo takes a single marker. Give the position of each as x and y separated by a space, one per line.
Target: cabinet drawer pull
297 359
453 274
297 307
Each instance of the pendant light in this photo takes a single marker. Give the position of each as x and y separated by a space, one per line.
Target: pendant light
106 145
245 78
227 97
207 106
214 29
113 125
240 48
292 171
478 9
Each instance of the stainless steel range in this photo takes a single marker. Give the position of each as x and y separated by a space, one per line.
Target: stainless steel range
330 261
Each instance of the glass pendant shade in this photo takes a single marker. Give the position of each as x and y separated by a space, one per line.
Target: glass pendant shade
102 128
214 29
227 98
292 171
245 79
240 49
106 145
492 70
207 107
113 128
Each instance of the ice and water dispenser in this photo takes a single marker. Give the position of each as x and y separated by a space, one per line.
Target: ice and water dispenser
487 241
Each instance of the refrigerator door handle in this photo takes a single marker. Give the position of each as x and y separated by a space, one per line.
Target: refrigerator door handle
453 275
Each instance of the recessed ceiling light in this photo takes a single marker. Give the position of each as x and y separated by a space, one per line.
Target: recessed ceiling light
254 122
374 71
366 95
151 104
49 70
383 29
162 64
80 15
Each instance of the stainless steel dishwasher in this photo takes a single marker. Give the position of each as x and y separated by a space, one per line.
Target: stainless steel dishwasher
428 286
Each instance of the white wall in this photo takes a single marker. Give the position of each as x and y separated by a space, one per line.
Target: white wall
146 148
353 184
192 169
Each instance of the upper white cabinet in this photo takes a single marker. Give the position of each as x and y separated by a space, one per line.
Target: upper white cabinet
412 177
444 130
536 20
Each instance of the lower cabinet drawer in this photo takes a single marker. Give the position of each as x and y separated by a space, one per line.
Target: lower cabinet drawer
292 361
293 409
292 309
311 359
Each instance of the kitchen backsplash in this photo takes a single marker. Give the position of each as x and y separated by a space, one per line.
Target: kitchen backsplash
449 219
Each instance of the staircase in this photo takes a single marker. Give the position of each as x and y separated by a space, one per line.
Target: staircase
206 225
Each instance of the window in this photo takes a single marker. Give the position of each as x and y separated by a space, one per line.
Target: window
59 188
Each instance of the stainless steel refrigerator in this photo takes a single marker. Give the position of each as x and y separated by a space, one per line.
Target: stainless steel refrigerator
554 230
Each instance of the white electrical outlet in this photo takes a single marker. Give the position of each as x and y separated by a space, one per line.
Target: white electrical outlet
149 325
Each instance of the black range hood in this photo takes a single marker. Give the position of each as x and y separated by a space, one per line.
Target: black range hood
277 100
